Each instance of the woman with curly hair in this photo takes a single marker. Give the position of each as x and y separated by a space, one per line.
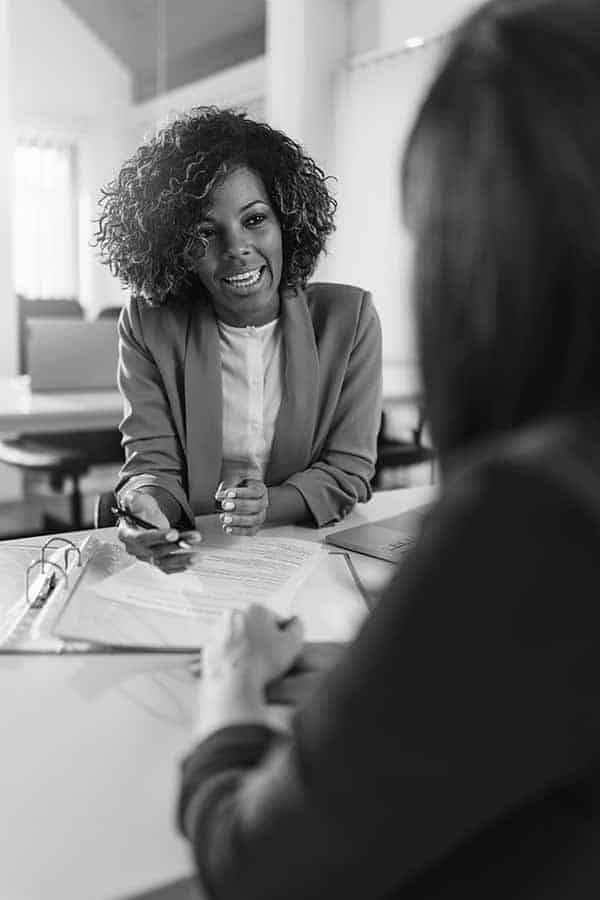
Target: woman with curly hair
241 382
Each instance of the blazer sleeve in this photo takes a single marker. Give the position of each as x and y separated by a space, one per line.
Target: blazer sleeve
153 453
468 695
342 474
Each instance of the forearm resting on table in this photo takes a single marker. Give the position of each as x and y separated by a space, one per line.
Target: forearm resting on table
287 506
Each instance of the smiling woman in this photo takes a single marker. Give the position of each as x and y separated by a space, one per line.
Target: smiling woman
243 384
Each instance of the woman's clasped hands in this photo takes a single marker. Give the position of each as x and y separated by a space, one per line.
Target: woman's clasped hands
166 547
244 506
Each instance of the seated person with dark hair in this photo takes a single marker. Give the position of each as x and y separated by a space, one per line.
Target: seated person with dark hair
454 750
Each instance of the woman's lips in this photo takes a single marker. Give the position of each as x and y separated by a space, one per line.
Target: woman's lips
243 281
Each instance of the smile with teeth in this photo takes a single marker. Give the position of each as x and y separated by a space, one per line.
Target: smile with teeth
245 279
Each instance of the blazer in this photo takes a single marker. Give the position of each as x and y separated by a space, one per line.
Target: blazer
454 750
326 430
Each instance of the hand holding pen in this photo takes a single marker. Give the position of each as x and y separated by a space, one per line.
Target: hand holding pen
148 535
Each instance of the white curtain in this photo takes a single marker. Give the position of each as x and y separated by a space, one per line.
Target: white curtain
44 220
376 100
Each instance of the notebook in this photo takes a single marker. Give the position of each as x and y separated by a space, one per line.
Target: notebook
72 354
387 539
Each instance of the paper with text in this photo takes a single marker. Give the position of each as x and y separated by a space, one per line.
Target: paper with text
125 603
249 570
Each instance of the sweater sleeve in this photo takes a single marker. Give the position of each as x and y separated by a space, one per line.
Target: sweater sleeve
468 694
342 474
153 453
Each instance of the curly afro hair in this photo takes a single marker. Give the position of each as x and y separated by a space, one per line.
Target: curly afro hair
148 212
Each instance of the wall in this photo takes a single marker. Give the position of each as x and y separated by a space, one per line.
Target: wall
376 96
66 82
242 86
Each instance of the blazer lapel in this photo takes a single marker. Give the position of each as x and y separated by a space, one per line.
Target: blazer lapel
203 405
295 426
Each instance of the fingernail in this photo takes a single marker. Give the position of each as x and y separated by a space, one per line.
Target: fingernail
230 494
228 505
227 520
172 535
219 489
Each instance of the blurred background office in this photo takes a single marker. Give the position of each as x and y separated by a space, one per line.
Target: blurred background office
81 83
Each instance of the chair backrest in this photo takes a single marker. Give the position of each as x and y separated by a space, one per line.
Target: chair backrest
103 516
109 312
52 308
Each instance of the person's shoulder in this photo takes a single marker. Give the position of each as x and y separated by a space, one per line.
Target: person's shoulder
340 303
335 295
156 320
552 465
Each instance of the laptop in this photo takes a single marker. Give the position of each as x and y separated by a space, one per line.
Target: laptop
72 354
387 539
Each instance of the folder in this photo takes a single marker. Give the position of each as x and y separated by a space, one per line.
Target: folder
96 598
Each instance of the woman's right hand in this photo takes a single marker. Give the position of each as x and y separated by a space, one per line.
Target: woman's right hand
157 546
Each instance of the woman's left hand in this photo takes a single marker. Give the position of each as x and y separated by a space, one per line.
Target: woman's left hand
244 507
248 650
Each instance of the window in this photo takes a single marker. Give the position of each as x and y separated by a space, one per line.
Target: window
45 220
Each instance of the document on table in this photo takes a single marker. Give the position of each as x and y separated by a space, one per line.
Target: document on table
124 603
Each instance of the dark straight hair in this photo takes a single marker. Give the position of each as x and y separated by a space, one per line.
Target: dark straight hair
502 192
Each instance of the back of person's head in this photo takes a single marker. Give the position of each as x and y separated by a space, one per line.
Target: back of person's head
502 193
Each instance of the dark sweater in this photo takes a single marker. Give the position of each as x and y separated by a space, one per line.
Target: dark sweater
454 751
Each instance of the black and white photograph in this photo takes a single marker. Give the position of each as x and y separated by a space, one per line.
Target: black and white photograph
300 449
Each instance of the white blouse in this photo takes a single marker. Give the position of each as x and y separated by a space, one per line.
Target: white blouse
252 376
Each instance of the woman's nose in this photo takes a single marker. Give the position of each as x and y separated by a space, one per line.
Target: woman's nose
234 244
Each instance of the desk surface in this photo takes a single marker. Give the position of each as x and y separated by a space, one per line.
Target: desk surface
90 752
24 410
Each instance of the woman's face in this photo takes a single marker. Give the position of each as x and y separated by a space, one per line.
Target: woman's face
242 263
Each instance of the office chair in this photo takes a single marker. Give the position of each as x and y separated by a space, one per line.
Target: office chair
63 456
393 453
109 312
51 308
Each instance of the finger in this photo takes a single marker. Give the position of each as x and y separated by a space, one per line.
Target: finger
191 537
241 532
147 537
293 631
242 521
243 507
254 491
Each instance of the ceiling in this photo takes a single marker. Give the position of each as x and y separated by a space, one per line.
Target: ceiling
169 43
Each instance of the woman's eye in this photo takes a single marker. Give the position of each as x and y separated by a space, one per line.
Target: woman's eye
256 219
205 233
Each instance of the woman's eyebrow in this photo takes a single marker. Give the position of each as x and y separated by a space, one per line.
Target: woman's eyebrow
252 203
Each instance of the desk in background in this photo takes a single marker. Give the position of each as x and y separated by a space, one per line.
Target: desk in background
21 410
90 751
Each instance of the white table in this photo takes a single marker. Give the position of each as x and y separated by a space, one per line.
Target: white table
22 410
90 752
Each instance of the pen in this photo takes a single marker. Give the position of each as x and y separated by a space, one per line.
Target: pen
123 513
